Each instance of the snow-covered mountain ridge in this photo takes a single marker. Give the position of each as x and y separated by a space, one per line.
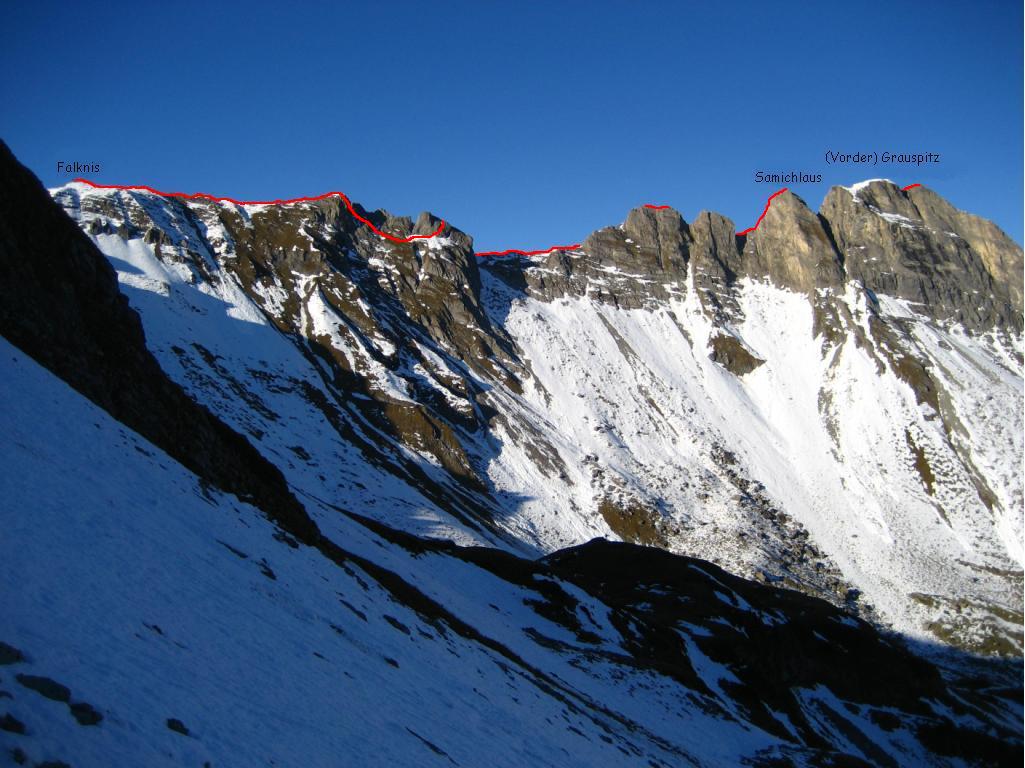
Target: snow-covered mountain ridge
672 370
173 596
831 403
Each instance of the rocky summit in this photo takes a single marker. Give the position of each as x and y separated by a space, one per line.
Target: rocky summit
277 487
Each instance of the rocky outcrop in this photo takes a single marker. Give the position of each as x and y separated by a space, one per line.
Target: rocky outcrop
731 354
659 238
640 263
438 285
715 263
647 259
909 244
914 245
792 248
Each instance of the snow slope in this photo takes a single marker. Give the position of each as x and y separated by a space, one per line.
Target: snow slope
152 598
155 600
820 426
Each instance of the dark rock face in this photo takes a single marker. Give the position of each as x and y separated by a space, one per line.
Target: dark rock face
850 658
651 591
916 246
60 303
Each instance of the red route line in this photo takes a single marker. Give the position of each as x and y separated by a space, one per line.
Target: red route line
394 238
646 205
518 252
204 196
767 204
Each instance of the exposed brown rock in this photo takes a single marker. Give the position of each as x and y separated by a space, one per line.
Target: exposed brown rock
635 523
632 266
715 259
914 245
731 354
792 248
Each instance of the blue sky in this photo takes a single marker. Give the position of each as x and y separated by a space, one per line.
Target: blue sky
525 124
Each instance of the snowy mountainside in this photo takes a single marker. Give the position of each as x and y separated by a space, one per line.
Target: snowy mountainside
843 472
160 622
170 597
756 409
